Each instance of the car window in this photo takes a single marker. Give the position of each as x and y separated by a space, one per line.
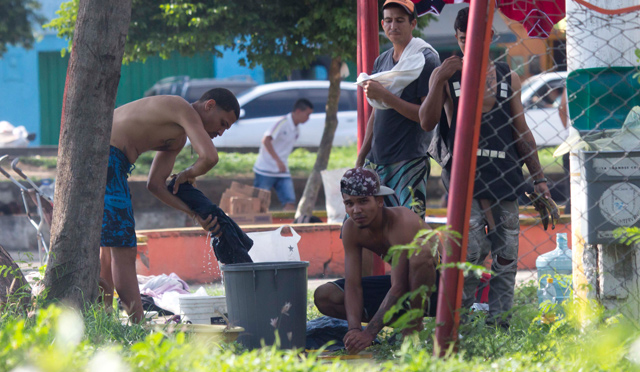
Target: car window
318 97
271 104
348 100
549 94
194 93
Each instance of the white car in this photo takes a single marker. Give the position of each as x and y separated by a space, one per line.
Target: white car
541 95
263 105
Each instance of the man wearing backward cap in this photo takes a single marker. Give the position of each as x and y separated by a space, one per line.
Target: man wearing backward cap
375 227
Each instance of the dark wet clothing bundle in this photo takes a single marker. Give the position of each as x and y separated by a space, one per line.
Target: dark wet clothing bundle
233 245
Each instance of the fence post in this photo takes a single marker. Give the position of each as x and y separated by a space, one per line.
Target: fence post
474 69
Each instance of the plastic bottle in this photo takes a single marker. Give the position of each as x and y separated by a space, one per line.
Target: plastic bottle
549 296
556 264
47 187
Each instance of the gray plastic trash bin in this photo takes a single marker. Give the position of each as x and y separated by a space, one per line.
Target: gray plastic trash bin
256 295
611 193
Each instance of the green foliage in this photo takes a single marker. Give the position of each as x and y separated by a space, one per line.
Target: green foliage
237 164
404 314
279 35
16 20
424 239
232 164
588 339
627 235
47 162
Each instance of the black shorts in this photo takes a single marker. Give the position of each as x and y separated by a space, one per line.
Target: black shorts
375 288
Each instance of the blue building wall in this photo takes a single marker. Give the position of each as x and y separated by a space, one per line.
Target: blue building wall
228 66
19 91
19 94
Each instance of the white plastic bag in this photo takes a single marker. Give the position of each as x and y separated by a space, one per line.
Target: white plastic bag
270 246
333 195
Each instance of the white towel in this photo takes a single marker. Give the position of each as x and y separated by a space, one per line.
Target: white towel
402 74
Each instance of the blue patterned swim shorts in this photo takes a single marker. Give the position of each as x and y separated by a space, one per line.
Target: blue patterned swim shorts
118 225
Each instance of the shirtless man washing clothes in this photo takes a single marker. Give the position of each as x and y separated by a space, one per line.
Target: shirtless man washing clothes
162 124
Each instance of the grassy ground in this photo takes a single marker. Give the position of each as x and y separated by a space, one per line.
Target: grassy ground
587 339
233 164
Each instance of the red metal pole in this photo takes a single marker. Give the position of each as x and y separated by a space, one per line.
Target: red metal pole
368 50
464 168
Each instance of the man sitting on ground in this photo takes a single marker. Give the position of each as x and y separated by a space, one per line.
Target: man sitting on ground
162 124
375 227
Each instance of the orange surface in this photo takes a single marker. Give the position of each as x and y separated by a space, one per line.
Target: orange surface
186 251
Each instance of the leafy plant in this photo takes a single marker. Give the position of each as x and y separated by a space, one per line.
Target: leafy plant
627 235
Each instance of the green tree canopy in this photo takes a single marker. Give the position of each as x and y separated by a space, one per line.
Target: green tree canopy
16 19
280 35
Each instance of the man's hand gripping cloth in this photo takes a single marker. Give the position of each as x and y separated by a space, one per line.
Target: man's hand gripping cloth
233 245
402 74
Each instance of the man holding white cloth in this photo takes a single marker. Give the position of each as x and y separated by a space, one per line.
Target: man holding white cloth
394 145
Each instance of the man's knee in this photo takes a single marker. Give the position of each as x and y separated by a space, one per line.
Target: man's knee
326 296
422 263
504 261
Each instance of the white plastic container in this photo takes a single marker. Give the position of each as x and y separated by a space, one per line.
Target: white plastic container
198 309
220 305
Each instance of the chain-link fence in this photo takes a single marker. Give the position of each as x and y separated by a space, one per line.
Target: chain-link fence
575 84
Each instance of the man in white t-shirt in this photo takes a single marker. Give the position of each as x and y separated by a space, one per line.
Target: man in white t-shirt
271 168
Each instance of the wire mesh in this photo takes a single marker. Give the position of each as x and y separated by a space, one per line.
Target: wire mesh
585 117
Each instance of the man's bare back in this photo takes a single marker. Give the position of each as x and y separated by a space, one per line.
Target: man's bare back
157 123
150 124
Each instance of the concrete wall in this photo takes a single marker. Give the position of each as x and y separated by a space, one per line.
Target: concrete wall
17 233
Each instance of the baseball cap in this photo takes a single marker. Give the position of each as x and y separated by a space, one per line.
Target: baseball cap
363 182
408 5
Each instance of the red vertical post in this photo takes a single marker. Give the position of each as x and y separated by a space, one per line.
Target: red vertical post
368 50
476 55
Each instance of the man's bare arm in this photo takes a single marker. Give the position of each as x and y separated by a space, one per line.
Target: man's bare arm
375 90
366 143
399 286
353 278
160 170
439 95
525 142
187 117
431 108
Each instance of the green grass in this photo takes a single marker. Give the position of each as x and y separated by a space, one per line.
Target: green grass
587 339
301 162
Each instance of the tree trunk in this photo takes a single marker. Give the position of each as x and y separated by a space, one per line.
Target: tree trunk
310 194
87 114
14 288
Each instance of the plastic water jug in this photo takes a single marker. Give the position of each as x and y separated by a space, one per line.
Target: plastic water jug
548 295
557 265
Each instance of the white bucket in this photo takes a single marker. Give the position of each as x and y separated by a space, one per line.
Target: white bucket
198 309
220 305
